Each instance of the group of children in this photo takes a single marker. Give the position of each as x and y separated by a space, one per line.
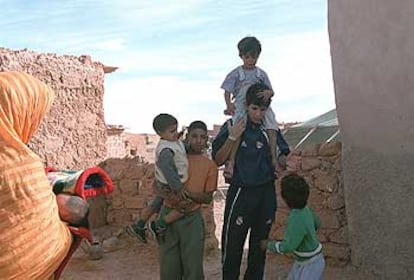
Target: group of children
171 173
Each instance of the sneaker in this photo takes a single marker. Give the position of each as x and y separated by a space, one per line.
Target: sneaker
138 232
158 233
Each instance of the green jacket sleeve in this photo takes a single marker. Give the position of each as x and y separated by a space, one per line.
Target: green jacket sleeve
294 234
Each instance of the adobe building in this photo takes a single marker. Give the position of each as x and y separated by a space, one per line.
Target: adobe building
364 184
372 49
74 136
77 113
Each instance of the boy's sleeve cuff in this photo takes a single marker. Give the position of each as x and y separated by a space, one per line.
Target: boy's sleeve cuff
274 246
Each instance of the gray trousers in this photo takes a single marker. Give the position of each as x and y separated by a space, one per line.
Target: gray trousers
311 269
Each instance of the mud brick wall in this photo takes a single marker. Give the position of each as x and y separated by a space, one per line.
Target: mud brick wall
321 167
73 135
133 179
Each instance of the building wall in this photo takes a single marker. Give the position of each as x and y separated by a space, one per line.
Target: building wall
133 178
321 167
115 143
143 144
372 45
73 133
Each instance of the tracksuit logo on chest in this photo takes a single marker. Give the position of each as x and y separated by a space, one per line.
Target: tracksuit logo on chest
259 144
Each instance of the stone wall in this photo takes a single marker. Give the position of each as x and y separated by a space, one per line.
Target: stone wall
121 144
133 178
73 133
321 167
116 145
144 144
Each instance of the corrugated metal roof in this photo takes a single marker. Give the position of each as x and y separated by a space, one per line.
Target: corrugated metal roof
323 128
294 135
329 118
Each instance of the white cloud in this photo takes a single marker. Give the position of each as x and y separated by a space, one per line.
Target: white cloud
152 14
298 66
135 102
190 57
173 55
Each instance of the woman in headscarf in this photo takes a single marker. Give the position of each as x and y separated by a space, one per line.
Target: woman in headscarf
33 240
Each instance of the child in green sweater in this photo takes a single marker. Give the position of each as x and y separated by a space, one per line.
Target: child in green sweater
300 237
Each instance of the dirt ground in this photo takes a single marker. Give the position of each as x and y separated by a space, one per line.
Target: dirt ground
138 261
126 258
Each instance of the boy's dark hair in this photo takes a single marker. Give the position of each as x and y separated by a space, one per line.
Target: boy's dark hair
163 121
196 125
295 191
253 98
249 45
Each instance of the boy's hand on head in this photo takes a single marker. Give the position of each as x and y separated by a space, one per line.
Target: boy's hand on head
237 129
266 94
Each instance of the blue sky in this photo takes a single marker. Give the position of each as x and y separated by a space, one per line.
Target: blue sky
173 55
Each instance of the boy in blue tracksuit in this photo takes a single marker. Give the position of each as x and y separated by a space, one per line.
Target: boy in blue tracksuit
251 198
